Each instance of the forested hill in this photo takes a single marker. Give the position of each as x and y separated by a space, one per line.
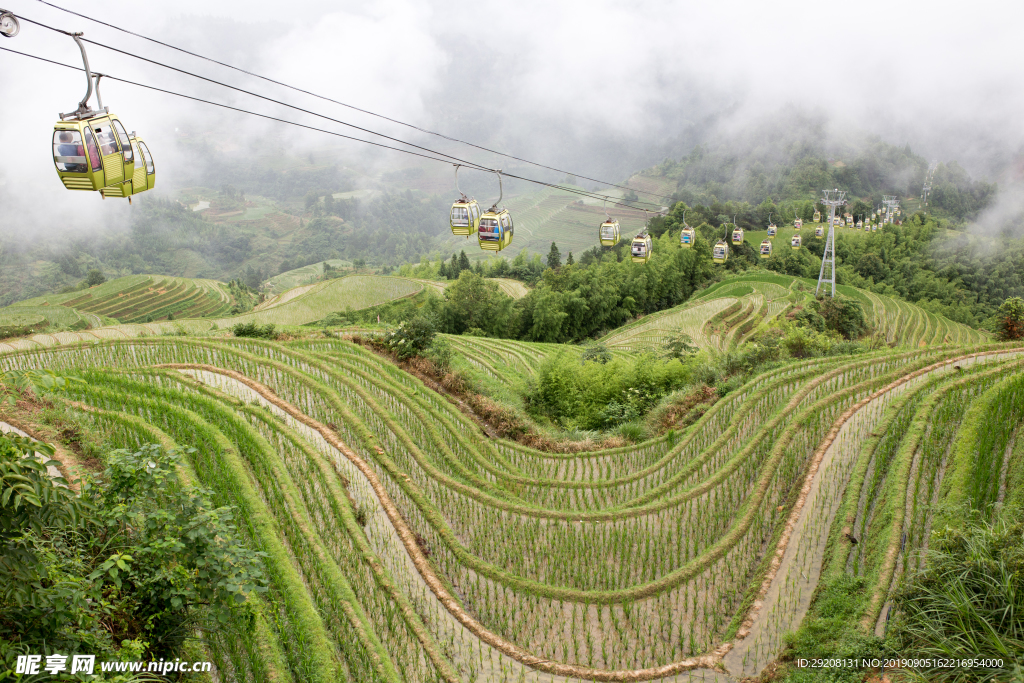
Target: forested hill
252 219
775 167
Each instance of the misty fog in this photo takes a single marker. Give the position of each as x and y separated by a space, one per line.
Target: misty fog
600 88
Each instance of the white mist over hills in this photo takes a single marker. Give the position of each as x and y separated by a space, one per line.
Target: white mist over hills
602 88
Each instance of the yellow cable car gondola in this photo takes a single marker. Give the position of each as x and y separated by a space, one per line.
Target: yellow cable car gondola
766 248
795 242
144 177
737 232
464 218
797 224
687 235
641 247
772 228
496 228
819 231
720 252
92 151
609 231
817 216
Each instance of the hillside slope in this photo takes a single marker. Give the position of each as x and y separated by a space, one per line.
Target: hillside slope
449 555
725 313
138 298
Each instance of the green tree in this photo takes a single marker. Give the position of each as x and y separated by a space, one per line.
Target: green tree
554 257
843 315
475 302
1011 319
95 277
464 261
569 259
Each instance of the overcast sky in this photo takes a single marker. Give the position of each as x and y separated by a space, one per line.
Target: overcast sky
597 86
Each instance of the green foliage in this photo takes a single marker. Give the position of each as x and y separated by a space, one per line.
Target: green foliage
30 502
577 302
554 257
830 631
253 330
968 599
841 314
590 394
475 302
410 338
95 277
1011 319
679 345
137 558
14 382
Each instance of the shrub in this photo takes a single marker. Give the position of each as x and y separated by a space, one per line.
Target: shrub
439 353
410 338
251 329
841 314
1011 319
590 394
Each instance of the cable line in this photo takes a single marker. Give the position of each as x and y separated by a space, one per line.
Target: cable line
478 167
343 104
463 162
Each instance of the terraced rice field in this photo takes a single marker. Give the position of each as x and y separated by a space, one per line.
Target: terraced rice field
353 292
315 303
505 360
305 275
137 298
48 316
726 313
402 544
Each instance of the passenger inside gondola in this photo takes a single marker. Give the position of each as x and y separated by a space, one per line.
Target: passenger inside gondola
69 152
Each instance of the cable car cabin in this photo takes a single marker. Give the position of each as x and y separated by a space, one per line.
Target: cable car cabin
465 217
720 253
772 231
496 230
92 154
609 233
144 177
860 224
641 248
795 242
766 248
686 237
819 231
797 224
849 218
842 223
874 228
817 216
737 235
